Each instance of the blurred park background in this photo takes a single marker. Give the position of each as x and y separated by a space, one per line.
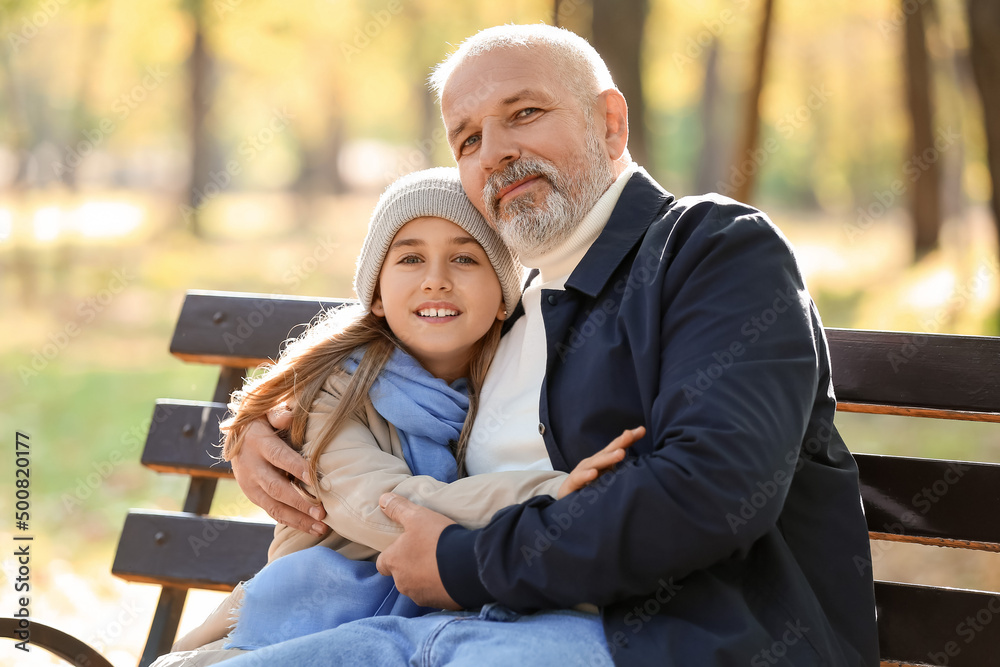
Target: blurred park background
148 148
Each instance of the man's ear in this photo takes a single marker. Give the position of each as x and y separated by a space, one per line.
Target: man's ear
377 308
611 103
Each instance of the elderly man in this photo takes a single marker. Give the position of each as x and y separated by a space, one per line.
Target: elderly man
732 533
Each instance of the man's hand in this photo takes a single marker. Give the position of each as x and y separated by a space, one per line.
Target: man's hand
260 467
592 467
412 559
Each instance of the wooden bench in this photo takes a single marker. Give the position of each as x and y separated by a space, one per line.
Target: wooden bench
926 501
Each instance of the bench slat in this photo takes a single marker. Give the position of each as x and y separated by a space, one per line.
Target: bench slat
243 330
184 437
933 372
934 375
937 626
188 550
931 501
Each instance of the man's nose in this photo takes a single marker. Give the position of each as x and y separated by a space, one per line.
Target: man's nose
498 147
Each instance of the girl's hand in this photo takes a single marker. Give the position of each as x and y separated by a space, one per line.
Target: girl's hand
592 467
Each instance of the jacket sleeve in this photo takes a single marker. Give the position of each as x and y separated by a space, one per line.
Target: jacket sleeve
722 428
356 471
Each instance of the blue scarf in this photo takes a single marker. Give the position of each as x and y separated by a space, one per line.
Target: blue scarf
316 589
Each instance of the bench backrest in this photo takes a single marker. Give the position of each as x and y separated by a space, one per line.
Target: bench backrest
939 376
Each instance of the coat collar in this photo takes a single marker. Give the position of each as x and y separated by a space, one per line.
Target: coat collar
640 203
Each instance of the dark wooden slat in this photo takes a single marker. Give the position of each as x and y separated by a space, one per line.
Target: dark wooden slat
184 438
188 550
931 501
937 626
915 370
233 329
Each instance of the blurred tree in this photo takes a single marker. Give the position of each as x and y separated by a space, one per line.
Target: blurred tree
925 197
618 28
710 153
199 65
984 31
747 146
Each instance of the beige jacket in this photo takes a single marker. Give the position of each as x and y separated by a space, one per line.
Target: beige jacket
363 461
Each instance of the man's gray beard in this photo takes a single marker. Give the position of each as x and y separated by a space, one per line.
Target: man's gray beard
531 228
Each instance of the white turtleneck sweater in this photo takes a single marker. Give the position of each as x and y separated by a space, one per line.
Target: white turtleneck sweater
506 435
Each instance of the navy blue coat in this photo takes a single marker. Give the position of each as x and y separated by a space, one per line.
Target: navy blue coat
733 533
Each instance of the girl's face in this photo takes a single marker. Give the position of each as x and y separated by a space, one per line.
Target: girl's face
439 294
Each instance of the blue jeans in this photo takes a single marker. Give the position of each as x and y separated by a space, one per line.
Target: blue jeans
494 635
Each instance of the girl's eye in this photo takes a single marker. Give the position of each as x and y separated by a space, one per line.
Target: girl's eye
465 259
409 259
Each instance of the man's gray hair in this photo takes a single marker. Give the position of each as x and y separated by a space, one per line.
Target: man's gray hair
586 74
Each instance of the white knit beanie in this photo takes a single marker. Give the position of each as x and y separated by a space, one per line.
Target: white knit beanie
433 193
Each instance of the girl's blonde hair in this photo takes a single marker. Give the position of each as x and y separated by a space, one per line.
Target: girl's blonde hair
298 376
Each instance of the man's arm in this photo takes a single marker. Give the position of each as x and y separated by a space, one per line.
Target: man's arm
261 467
667 513
361 463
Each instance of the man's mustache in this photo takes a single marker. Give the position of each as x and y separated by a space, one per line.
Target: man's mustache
512 173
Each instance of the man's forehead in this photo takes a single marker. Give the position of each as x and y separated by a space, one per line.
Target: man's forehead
493 80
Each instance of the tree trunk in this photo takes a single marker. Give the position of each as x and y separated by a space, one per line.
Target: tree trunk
925 183
617 28
984 50
746 166
709 162
199 71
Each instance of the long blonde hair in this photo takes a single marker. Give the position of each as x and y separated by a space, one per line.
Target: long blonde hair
303 366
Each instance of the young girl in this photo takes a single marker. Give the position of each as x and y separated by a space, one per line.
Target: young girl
383 399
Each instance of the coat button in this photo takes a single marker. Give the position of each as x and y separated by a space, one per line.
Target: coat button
552 299
541 429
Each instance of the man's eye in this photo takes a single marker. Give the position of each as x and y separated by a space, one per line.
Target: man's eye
471 141
523 113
